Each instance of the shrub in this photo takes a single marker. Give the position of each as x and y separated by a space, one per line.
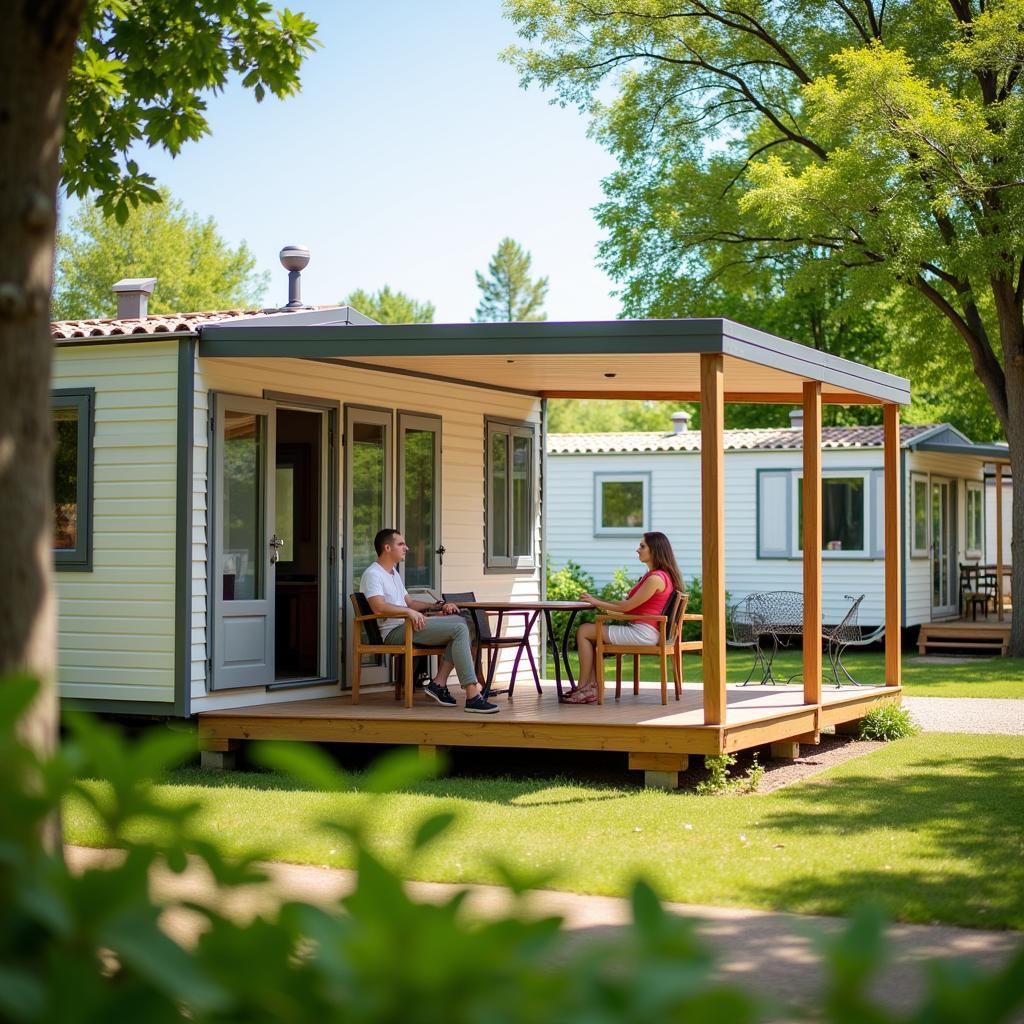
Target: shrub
89 947
566 584
888 722
719 781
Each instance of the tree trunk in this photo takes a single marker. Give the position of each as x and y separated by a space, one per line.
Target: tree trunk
1015 436
36 49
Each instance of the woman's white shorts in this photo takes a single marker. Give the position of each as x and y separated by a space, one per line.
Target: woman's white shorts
632 633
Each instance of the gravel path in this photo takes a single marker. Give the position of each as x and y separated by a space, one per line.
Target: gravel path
968 714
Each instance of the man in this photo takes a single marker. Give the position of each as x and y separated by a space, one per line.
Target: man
387 595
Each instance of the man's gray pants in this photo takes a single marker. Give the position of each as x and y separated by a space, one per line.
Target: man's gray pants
451 630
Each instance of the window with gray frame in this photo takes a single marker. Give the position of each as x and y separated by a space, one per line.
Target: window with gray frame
622 503
975 518
72 477
510 516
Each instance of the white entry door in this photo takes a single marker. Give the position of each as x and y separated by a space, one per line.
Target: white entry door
244 548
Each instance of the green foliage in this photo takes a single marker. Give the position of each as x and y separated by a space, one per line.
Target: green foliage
507 292
719 781
888 722
718 766
388 307
89 947
827 174
141 75
194 267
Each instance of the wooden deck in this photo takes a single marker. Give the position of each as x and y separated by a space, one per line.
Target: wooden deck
986 635
656 737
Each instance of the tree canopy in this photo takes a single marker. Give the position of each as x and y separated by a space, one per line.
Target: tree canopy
765 149
508 292
388 307
140 76
194 266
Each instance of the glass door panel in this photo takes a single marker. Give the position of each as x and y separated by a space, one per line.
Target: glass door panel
368 506
419 499
943 598
244 554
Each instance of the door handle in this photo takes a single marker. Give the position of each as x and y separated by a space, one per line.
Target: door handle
440 553
275 543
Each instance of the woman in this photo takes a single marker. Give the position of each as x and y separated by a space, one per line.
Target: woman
648 597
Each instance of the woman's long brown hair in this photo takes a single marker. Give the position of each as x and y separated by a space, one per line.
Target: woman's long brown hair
663 558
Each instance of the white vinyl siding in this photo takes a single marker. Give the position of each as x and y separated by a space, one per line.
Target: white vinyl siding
463 412
116 621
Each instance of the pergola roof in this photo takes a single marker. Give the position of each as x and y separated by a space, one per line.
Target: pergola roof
611 359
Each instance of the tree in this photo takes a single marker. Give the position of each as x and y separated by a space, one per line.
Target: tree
194 267
882 141
82 83
508 292
388 307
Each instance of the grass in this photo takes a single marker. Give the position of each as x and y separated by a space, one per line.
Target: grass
930 827
981 677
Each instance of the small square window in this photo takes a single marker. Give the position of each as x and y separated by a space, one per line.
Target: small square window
621 503
843 514
72 478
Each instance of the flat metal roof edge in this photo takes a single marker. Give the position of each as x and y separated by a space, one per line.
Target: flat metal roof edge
692 336
985 451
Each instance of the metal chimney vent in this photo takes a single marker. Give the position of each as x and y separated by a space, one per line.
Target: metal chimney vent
294 259
680 421
133 297
796 418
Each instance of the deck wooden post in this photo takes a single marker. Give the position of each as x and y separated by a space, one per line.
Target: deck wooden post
999 541
812 542
893 520
712 510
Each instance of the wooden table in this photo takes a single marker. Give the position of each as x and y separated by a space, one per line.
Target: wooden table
532 609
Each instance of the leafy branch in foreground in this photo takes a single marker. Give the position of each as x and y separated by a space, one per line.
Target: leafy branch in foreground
89 947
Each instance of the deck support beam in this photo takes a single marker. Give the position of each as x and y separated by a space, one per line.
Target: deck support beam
893 571
812 539
712 510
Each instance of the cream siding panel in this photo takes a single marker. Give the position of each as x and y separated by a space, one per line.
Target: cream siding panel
462 411
116 623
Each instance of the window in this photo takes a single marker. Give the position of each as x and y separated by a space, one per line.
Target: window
72 478
510 495
847 500
975 518
919 517
621 503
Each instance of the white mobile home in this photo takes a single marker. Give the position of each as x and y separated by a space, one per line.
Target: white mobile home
604 489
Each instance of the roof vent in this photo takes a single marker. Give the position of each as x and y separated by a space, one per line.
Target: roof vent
680 422
796 418
294 259
133 297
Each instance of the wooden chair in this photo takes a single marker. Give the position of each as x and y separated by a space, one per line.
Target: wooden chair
669 643
977 587
367 620
495 643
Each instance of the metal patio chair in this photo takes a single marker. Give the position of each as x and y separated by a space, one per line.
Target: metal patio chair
848 633
743 633
494 643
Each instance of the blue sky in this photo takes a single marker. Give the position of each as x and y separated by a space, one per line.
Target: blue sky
410 152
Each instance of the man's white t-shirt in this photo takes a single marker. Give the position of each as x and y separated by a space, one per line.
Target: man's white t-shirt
378 582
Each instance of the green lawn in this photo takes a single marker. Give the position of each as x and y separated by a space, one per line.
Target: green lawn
981 677
931 827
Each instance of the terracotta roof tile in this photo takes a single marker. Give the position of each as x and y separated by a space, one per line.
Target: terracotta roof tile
770 439
161 323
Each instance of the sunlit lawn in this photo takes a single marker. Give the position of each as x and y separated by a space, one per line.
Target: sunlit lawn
980 677
931 827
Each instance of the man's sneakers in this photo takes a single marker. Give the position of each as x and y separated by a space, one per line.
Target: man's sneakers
479 705
441 694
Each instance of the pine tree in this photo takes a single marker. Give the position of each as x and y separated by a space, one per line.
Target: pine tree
508 292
